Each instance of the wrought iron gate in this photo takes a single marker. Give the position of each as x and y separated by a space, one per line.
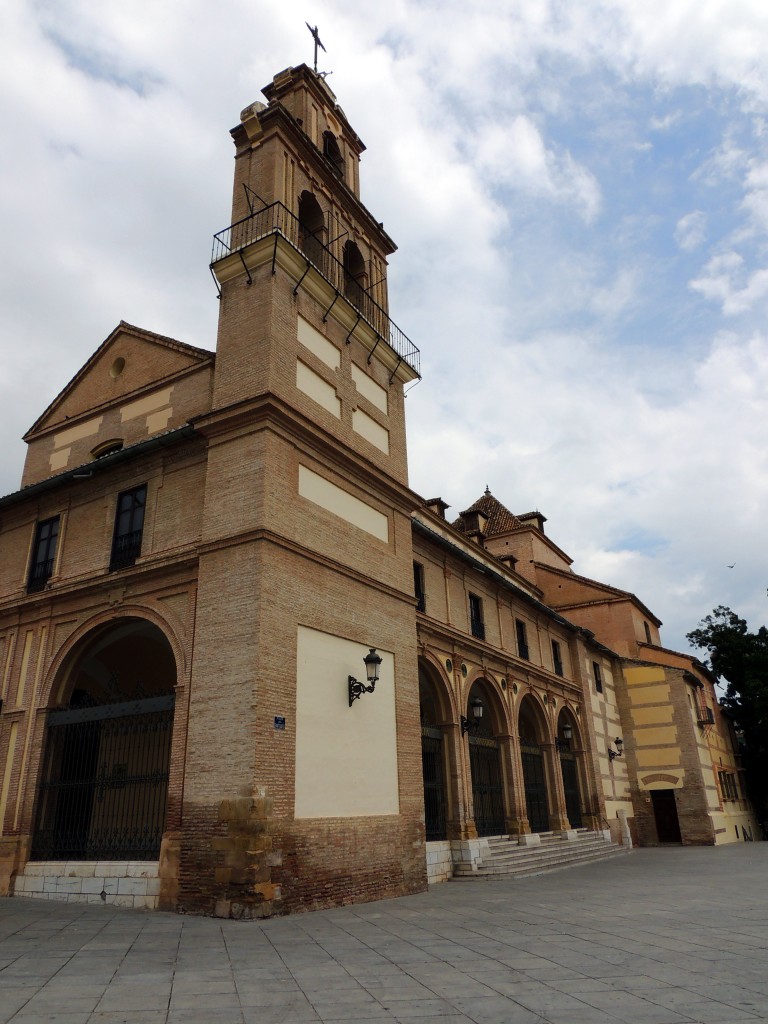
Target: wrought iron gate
487 796
434 782
535 787
104 789
571 789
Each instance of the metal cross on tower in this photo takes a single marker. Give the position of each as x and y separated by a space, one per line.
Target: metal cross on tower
316 36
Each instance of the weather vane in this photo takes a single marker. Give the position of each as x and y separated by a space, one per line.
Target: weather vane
316 36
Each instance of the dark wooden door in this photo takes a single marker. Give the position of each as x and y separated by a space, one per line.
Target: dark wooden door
665 813
571 789
487 796
434 782
535 787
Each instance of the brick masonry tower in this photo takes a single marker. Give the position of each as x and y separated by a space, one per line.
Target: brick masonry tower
295 794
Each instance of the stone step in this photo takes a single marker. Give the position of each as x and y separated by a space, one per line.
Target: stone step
508 859
528 856
496 873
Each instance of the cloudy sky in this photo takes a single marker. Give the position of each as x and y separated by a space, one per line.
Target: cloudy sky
579 191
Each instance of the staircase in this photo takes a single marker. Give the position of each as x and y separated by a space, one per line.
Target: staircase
508 860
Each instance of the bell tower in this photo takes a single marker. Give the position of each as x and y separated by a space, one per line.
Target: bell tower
301 795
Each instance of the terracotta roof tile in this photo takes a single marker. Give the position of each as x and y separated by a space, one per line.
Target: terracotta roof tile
500 519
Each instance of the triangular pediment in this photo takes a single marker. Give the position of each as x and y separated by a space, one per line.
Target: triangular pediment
128 362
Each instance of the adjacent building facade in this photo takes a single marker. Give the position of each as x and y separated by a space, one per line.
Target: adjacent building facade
245 669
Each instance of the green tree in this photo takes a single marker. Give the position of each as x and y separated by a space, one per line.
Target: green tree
739 658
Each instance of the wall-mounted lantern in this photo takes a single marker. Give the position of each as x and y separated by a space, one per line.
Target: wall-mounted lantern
372 661
564 744
473 724
619 744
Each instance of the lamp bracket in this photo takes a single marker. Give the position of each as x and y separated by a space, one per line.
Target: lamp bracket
357 689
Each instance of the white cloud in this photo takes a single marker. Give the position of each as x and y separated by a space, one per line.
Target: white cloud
515 154
503 157
725 281
691 230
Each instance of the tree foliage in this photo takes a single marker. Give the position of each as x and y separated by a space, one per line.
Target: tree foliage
739 658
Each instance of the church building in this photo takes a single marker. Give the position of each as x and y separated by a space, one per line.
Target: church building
246 670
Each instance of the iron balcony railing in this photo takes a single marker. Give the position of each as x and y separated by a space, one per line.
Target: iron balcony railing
39 575
705 715
276 219
126 548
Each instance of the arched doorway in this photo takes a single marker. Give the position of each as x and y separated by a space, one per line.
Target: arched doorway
566 744
104 778
312 229
432 760
484 761
531 731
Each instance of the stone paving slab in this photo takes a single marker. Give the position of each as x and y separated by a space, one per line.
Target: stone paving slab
666 936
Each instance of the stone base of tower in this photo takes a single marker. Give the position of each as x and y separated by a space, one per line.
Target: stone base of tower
338 861
247 865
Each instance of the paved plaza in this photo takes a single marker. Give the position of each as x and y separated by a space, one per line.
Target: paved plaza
663 936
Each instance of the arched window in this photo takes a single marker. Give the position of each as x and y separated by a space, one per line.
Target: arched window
312 232
107 448
332 151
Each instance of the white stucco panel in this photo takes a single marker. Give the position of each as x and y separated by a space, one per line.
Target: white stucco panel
374 392
370 430
343 504
319 390
346 757
318 344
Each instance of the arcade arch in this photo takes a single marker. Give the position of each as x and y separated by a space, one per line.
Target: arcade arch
433 708
103 786
568 743
532 729
485 758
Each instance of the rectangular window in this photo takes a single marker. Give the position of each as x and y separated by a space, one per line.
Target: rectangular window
43 554
647 632
728 786
476 617
598 676
557 658
129 524
522 639
418 587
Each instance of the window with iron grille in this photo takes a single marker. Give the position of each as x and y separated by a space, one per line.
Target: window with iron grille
522 639
43 554
598 673
129 525
418 586
476 617
557 658
728 786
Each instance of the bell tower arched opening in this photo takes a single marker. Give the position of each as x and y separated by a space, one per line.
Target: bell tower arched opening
355 278
312 229
332 150
104 781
